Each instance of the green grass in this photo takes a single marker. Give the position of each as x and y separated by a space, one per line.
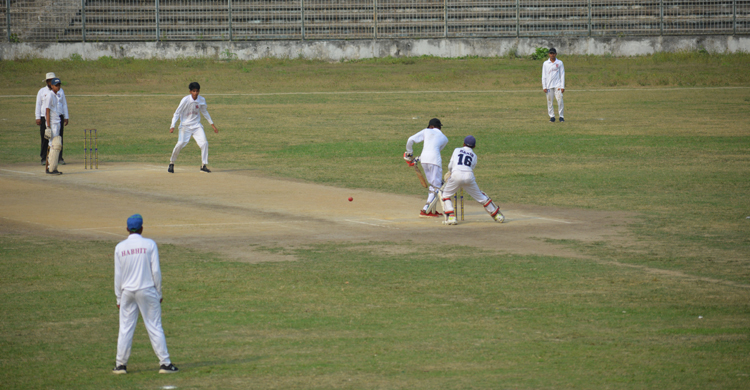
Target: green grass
351 316
677 157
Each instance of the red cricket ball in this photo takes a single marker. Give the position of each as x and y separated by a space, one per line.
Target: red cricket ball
351 199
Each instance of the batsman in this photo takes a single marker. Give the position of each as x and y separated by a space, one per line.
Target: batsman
434 142
461 175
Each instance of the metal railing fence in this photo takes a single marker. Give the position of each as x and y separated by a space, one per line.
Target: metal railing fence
241 20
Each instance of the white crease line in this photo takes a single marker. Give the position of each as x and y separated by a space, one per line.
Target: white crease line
548 219
371 224
27 173
395 92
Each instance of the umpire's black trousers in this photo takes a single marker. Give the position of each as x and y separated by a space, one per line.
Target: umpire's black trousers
45 141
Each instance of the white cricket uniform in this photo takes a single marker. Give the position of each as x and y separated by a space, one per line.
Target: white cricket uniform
432 163
461 168
39 112
51 100
62 103
138 287
553 80
189 114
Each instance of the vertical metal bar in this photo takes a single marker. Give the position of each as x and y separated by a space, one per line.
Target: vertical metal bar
157 20
589 17
83 20
661 17
518 19
445 18
302 15
7 18
375 18
230 20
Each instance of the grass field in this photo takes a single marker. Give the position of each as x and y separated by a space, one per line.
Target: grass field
662 136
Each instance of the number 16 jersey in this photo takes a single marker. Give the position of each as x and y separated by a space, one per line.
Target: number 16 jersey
463 160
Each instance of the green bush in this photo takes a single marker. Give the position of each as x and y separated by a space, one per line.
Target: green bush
541 53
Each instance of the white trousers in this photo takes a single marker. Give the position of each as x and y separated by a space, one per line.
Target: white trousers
147 300
434 175
560 106
465 180
184 137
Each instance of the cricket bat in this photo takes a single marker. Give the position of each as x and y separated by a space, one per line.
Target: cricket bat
420 175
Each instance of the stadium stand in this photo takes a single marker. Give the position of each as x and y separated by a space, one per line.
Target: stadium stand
174 20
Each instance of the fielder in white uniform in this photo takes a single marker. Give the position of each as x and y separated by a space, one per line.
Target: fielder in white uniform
189 113
434 142
553 84
138 287
51 105
41 121
461 175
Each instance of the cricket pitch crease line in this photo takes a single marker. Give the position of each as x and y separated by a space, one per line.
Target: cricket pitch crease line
547 219
26 173
393 92
371 224
186 225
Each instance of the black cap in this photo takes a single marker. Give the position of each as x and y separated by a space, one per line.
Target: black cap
552 50
55 81
470 141
435 122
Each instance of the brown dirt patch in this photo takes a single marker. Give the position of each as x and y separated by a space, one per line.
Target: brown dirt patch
233 212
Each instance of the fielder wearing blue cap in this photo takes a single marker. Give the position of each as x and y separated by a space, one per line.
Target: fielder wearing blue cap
135 222
138 289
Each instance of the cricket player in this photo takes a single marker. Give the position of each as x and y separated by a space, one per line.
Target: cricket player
41 121
553 84
138 287
50 105
461 175
189 113
434 142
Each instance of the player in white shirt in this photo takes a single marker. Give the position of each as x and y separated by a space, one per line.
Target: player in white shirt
189 113
138 287
461 175
434 142
553 84
41 121
50 105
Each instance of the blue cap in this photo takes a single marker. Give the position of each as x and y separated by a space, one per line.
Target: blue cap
470 141
55 81
135 222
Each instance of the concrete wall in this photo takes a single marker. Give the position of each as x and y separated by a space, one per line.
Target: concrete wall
359 49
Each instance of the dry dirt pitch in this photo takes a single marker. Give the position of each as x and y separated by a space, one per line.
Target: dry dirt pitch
231 212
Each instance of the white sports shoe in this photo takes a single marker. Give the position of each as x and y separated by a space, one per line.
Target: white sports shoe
451 220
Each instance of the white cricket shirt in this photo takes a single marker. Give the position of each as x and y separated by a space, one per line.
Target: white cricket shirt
62 103
136 265
434 142
188 112
51 100
553 74
463 159
39 112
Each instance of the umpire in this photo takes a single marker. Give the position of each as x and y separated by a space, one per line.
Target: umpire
42 122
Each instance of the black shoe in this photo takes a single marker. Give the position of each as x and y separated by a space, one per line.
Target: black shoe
205 169
121 369
171 168
55 172
61 162
167 369
552 119
44 162
562 119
